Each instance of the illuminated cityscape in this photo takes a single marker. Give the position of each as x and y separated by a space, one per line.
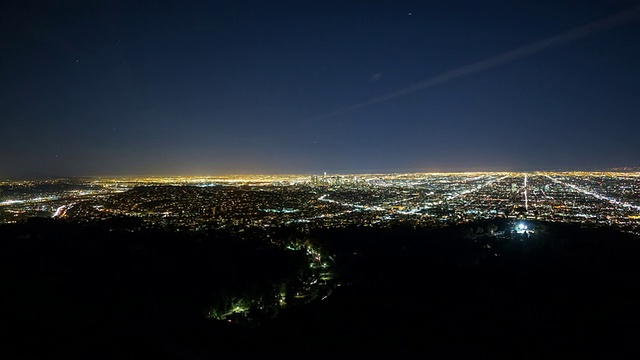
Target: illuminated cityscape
329 201
194 180
260 206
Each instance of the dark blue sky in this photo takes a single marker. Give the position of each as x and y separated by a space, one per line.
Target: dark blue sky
182 87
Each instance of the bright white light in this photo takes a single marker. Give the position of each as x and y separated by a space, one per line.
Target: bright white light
11 202
522 228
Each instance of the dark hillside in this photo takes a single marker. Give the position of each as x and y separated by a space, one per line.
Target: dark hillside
87 290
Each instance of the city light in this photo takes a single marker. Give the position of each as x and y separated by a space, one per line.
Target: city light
335 200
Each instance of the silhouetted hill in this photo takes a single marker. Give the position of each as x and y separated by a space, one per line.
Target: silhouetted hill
87 290
563 292
90 290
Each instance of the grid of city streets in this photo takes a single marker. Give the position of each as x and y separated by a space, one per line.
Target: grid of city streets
326 200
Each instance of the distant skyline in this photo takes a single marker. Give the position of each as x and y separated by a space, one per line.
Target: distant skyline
285 175
251 87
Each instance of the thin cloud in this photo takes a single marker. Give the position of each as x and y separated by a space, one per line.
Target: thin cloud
521 52
375 78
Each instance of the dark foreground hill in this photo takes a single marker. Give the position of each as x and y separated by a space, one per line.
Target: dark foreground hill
562 291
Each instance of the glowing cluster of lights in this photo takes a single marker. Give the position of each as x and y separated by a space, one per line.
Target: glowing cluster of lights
522 228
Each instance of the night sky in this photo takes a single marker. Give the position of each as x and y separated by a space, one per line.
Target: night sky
253 87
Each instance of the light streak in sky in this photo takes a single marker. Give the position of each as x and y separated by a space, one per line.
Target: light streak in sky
521 52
